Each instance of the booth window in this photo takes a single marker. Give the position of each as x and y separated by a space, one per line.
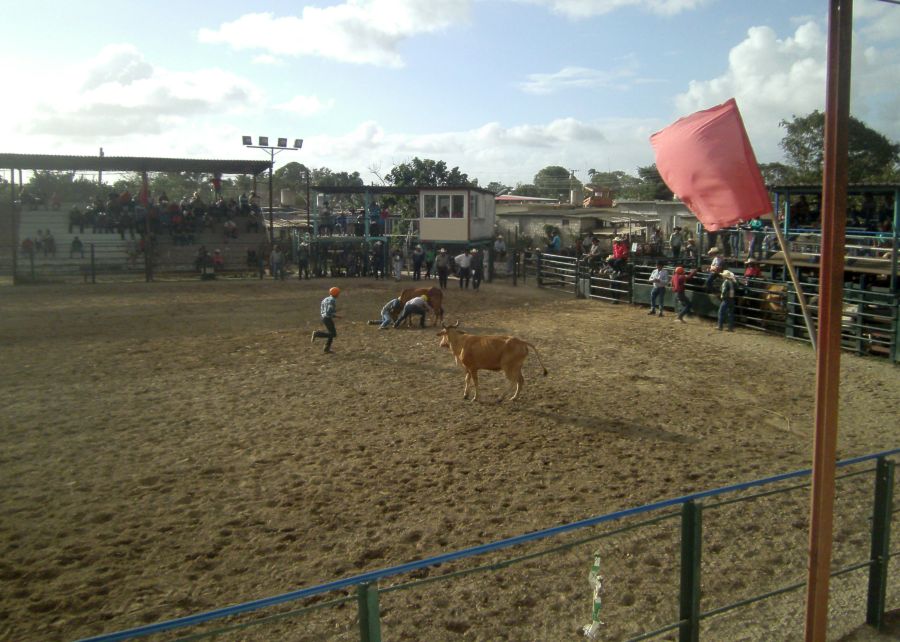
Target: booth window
443 207
474 212
429 210
459 203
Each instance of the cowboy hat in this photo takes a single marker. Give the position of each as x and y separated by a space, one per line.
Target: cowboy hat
713 250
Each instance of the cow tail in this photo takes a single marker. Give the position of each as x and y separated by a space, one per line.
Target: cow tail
531 345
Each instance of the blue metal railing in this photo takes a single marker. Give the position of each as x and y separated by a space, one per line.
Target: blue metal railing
374 576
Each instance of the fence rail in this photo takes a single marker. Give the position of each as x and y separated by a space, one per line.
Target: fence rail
870 321
691 510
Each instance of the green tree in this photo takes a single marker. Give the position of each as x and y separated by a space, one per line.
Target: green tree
427 173
778 174
526 189
872 156
651 186
498 188
555 181
618 181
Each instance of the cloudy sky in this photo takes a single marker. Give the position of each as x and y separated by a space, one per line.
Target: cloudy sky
500 88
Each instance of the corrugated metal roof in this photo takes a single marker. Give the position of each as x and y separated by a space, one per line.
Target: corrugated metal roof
130 164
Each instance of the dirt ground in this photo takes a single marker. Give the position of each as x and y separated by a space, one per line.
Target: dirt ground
175 447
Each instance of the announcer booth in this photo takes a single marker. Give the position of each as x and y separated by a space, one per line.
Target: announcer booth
457 218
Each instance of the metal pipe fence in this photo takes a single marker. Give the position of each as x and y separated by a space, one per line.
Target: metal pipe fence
690 509
870 323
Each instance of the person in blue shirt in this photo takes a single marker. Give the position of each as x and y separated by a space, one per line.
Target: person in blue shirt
328 310
391 309
555 242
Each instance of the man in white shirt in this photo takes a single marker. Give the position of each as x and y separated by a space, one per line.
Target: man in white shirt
463 266
660 279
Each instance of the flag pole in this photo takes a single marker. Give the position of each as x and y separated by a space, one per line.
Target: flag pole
789 264
828 357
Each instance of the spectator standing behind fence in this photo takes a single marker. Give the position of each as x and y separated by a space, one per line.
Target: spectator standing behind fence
418 259
679 289
463 268
555 243
676 240
726 307
442 265
499 249
276 261
303 261
429 261
660 279
477 268
397 265
328 311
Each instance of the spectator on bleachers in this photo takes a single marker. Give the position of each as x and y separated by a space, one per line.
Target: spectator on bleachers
244 204
230 229
254 203
218 260
49 244
55 202
28 247
76 247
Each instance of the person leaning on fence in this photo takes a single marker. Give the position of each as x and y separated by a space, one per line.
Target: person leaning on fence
442 266
417 305
715 268
679 289
276 260
660 279
328 310
728 292
391 309
593 255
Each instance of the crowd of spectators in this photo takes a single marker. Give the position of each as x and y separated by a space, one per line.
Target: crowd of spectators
181 220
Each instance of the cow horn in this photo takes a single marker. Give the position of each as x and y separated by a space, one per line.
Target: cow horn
455 325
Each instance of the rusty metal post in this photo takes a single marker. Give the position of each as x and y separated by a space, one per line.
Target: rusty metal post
828 356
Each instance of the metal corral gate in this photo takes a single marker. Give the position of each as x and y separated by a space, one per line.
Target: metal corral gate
870 323
690 512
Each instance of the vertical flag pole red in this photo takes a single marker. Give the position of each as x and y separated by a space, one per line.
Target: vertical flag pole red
828 357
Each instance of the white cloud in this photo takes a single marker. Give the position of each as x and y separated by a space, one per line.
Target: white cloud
580 78
776 78
118 93
492 151
266 59
356 31
305 105
589 8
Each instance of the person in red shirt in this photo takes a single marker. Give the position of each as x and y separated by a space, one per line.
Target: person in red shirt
619 256
752 270
679 281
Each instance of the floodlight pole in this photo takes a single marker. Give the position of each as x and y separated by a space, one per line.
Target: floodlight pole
272 151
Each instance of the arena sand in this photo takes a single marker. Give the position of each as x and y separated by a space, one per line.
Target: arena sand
170 448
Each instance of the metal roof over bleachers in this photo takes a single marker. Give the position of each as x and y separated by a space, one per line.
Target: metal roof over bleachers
130 164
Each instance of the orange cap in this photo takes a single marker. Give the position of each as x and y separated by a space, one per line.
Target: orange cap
334 291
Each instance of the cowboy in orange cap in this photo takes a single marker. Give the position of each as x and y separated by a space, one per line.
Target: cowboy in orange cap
328 309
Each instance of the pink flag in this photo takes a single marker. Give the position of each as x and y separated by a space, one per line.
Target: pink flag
706 159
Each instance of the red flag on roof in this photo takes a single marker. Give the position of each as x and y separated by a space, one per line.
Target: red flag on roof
706 159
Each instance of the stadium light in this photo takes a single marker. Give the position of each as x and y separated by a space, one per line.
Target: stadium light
282 146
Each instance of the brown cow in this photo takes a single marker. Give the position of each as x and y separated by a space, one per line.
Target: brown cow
488 352
435 299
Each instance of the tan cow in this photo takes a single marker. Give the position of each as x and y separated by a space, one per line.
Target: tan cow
435 300
488 352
